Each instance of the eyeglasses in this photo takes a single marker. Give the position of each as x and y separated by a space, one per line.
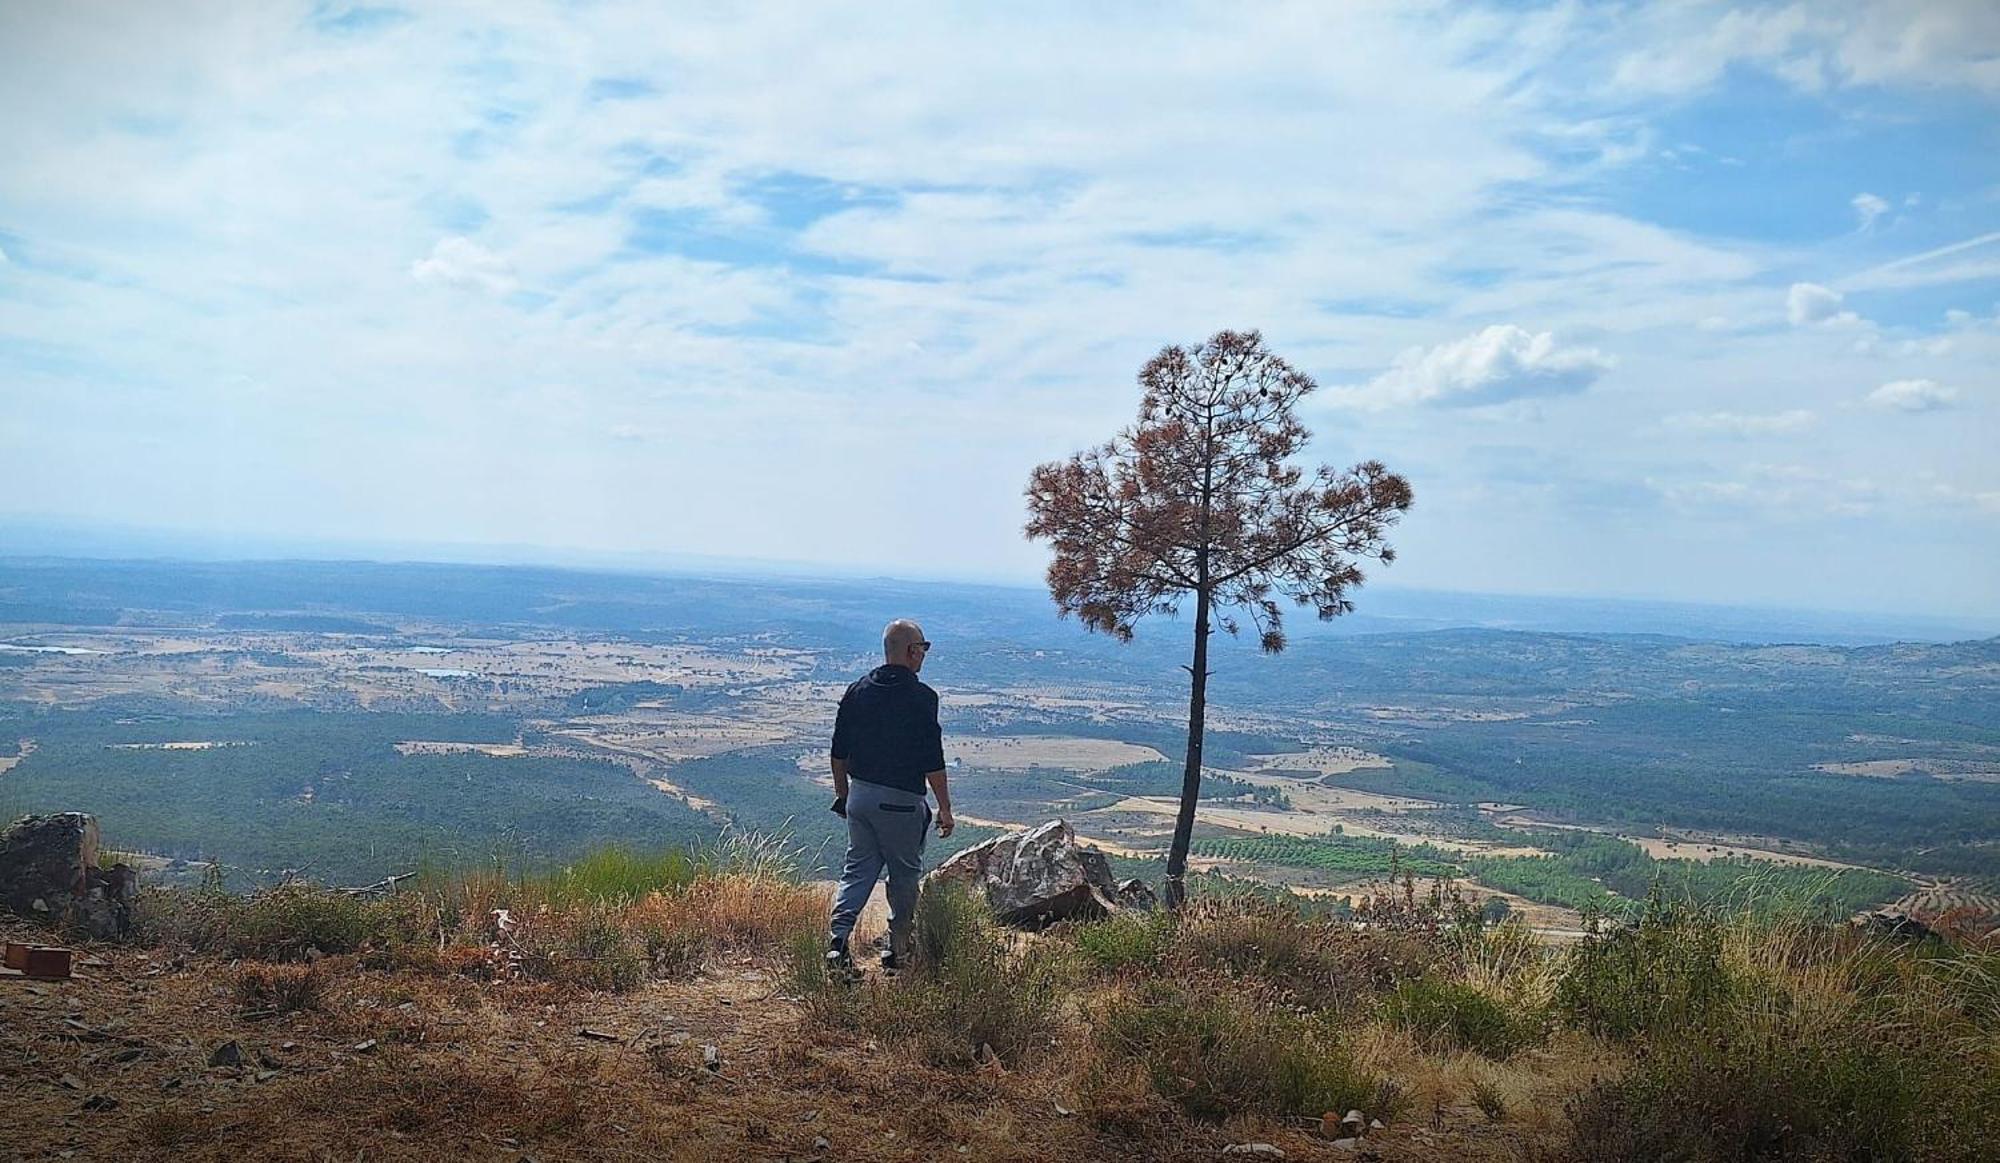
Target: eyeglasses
921 645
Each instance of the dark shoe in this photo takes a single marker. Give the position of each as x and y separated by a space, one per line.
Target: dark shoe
839 962
890 963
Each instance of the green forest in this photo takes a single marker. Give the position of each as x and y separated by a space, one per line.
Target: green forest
329 793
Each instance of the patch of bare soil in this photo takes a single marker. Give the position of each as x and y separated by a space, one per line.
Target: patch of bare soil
144 1055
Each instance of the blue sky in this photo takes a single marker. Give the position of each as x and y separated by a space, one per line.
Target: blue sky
1691 301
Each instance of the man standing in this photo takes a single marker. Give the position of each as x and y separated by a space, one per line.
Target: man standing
886 746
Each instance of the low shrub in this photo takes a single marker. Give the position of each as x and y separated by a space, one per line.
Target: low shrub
1705 1097
1217 1053
611 920
1800 1040
1123 942
965 991
289 923
1318 962
1665 972
1450 1015
272 990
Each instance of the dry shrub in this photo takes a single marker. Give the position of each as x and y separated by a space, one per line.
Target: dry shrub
1217 1051
966 991
270 990
292 922
1319 962
1820 1044
737 912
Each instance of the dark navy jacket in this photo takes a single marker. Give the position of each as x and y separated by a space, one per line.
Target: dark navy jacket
887 729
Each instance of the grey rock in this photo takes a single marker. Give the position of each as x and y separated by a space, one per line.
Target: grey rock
227 1054
48 870
1254 1150
1032 879
1136 894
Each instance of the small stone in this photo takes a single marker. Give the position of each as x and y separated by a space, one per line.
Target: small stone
70 1082
129 1054
367 1047
711 1058
227 1054
1063 1110
821 1142
266 1075
1347 1145
100 1102
1254 1150
1377 1125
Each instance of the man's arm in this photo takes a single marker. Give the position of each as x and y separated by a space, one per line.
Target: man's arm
936 775
941 788
837 758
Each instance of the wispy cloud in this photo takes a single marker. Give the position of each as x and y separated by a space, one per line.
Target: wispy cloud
253 243
1869 208
1922 269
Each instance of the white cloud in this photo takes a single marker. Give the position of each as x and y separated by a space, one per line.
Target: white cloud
1491 366
1913 396
1811 303
1823 45
457 261
1741 424
1869 207
983 223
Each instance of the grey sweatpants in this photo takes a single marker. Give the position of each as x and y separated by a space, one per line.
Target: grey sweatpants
885 830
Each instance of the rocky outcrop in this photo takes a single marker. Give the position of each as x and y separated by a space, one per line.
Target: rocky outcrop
1032 879
48 870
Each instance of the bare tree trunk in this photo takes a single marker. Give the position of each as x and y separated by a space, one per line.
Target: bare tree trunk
1177 855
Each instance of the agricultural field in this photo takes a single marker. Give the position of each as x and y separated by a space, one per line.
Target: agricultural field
513 715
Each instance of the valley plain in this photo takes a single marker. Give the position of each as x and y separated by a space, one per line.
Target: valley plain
349 721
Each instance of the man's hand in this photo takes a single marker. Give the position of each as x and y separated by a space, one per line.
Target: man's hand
840 806
945 823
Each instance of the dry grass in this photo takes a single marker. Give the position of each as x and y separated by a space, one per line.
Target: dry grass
1158 1038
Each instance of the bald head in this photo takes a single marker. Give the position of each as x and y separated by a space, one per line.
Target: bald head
903 644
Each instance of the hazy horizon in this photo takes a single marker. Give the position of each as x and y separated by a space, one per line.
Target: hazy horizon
1380 603
1692 302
